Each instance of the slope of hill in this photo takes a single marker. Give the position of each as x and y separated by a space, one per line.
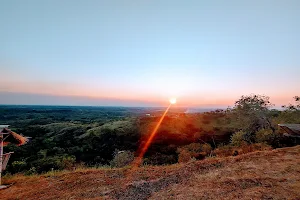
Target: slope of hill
259 175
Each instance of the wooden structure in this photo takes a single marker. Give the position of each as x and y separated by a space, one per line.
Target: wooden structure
5 159
7 136
291 130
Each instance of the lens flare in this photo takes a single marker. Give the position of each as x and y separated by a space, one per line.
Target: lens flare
144 149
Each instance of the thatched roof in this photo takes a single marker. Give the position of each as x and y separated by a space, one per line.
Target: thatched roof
12 137
291 129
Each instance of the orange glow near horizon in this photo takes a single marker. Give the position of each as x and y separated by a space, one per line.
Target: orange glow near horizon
139 159
87 93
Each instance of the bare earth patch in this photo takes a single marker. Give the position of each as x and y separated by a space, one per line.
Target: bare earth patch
259 175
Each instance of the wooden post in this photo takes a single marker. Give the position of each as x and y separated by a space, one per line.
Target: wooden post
1 156
1 149
5 159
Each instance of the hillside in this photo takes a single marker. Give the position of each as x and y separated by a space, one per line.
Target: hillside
260 175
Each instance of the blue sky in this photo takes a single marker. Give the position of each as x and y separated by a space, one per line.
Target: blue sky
143 52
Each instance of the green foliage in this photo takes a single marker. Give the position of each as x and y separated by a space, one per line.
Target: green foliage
251 113
42 153
31 171
265 136
54 163
238 138
122 159
18 166
67 162
275 139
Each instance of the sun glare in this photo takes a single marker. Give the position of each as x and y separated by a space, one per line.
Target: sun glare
173 100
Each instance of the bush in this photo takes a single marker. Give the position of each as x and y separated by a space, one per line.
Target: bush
264 136
206 148
275 139
31 171
229 150
253 147
238 139
224 151
18 166
54 162
160 159
193 150
67 162
184 156
122 159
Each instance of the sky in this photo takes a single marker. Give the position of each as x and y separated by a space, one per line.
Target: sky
143 52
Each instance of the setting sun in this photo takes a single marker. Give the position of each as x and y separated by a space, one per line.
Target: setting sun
173 101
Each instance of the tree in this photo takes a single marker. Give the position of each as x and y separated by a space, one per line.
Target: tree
291 113
295 107
251 113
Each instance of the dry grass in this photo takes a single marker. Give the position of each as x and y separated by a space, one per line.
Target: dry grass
258 175
227 150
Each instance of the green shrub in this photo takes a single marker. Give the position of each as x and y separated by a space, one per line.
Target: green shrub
122 159
31 171
67 162
275 139
42 154
55 162
18 166
238 138
264 136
